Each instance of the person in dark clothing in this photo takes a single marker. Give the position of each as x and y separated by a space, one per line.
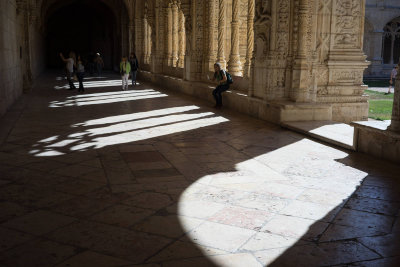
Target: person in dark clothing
223 85
134 67
80 73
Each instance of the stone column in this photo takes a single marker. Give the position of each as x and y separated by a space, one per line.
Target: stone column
157 56
250 38
300 69
148 41
174 34
395 123
131 28
234 64
221 33
169 34
181 45
187 13
166 36
138 36
145 40
211 56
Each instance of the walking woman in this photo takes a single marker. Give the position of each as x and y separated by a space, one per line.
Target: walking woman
80 73
125 69
134 67
69 67
221 77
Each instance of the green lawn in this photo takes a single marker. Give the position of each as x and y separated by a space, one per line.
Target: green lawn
380 105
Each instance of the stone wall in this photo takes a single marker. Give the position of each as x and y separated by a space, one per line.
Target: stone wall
11 82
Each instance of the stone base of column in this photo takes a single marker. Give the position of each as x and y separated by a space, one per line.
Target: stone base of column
234 65
222 61
394 126
300 82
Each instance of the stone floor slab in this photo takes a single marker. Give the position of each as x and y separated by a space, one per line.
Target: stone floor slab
325 254
37 253
110 240
39 222
90 258
220 236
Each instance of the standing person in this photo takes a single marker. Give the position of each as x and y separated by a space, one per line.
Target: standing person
392 81
69 67
134 67
125 69
220 75
80 73
99 64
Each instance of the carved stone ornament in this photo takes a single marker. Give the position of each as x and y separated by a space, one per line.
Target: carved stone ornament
262 13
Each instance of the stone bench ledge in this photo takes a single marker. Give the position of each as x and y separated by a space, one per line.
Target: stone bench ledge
373 138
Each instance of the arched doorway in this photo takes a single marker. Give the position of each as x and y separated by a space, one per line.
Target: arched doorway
86 27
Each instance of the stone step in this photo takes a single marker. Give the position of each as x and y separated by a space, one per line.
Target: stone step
335 133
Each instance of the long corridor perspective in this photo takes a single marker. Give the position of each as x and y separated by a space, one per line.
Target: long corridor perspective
146 177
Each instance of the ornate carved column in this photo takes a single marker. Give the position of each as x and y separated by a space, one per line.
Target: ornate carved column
300 85
131 29
346 62
395 123
234 64
168 32
138 32
250 38
187 13
175 36
159 38
166 36
221 33
145 40
149 43
181 44
211 55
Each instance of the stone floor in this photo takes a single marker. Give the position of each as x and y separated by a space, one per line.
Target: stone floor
149 178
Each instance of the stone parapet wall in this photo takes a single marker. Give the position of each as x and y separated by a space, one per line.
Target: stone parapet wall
374 138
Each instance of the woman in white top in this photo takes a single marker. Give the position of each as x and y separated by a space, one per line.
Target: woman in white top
69 67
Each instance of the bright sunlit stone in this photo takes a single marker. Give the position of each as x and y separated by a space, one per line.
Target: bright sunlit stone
145 123
136 116
143 134
129 128
121 97
259 184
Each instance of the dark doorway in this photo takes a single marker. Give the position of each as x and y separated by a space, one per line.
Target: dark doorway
86 27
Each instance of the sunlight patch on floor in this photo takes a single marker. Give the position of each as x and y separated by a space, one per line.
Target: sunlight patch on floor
122 96
125 129
267 187
93 84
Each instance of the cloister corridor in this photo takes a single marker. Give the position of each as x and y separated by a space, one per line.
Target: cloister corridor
149 177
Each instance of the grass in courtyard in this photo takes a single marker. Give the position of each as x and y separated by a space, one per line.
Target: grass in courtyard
380 105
